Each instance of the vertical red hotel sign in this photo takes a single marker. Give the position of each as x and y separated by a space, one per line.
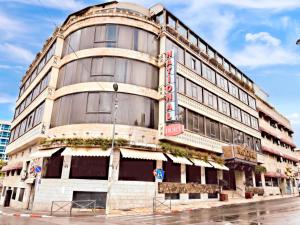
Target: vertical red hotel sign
173 127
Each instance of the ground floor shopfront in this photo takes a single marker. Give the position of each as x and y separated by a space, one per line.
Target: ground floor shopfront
70 174
74 174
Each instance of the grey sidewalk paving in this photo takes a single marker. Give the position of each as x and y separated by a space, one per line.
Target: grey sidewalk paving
140 211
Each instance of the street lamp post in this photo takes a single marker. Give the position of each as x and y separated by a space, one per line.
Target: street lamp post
111 170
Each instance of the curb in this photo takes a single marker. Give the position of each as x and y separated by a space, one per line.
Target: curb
24 215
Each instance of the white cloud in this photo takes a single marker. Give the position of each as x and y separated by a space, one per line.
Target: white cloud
263 37
7 99
16 53
2 66
264 50
55 4
295 118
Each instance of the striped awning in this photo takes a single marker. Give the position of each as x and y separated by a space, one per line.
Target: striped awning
218 166
147 155
275 175
180 160
44 153
198 162
93 152
12 166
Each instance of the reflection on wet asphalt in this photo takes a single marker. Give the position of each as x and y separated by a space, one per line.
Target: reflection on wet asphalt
276 212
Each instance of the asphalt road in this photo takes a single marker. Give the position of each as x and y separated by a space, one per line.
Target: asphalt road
275 212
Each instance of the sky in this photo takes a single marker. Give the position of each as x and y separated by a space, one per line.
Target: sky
257 36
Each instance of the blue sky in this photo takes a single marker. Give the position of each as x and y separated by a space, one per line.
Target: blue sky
258 36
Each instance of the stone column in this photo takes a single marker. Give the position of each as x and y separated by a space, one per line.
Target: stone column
183 197
240 180
263 181
66 167
253 179
203 181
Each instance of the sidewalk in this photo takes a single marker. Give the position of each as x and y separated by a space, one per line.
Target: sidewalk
198 205
7 211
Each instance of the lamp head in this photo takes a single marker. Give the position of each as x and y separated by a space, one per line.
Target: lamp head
116 87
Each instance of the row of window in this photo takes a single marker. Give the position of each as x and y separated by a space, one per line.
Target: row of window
199 43
275 140
275 124
193 90
205 126
14 193
36 91
111 36
31 120
109 69
211 75
97 107
4 127
38 68
4 134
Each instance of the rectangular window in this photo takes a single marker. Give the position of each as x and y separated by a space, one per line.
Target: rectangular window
252 103
235 113
100 198
224 106
39 114
210 99
233 90
182 31
30 118
99 103
246 118
193 174
208 73
172 171
193 90
53 166
243 96
226 134
129 171
222 82
193 63
171 22
254 123
89 167
238 137
180 84
212 128
14 193
21 194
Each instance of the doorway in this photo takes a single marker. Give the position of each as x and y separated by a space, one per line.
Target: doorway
7 198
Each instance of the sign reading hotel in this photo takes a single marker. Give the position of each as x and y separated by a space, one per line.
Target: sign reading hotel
173 127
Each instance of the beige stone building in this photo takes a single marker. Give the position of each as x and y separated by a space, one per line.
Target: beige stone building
279 155
181 107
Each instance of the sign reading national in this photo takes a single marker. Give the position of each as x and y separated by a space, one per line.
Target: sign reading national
170 88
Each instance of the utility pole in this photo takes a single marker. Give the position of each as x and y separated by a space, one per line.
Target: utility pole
111 170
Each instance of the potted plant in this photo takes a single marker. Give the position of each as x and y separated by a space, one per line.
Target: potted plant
223 196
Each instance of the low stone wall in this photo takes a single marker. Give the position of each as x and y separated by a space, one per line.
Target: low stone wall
168 187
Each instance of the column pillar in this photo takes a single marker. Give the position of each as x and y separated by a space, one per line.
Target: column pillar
240 180
66 167
184 196
253 179
203 181
116 164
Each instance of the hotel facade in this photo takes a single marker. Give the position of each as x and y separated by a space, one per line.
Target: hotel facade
180 106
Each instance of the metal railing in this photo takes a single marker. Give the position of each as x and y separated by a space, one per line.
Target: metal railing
67 206
161 202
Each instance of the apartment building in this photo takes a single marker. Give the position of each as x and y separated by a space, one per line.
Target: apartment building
179 105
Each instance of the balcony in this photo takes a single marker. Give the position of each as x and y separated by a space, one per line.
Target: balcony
239 155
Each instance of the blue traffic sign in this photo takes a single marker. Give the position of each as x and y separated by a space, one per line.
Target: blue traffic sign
38 169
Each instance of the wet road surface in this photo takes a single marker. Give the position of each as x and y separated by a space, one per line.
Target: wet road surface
275 212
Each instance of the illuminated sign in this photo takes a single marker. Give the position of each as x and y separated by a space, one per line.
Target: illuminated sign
173 127
170 88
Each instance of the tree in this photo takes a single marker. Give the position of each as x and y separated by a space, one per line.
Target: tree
2 164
